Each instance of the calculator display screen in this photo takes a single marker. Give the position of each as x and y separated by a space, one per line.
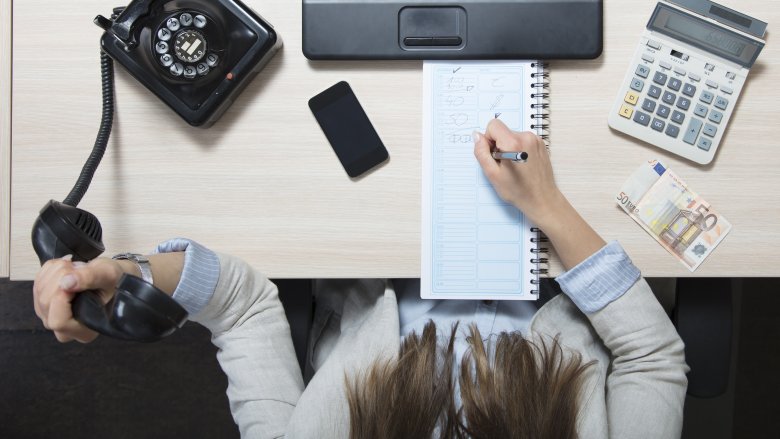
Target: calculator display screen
705 35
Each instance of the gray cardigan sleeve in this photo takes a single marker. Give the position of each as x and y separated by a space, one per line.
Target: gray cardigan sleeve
256 353
647 384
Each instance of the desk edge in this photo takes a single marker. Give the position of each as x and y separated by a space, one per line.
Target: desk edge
6 14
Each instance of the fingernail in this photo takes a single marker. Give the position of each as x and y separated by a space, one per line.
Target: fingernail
475 136
67 258
79 264
68 282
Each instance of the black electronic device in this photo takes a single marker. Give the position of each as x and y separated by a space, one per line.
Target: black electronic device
195 55
446 29
138 311
348 129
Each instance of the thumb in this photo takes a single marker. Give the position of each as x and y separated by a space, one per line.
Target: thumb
96 275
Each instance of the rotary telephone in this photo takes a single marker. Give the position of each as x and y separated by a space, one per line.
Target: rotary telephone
196 56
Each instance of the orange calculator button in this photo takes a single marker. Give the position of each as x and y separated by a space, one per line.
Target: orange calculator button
632 98
626 111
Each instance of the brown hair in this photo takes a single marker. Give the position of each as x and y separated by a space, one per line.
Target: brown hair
517 390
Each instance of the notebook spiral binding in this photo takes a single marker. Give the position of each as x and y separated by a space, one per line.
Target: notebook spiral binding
540 114
540 98
539 260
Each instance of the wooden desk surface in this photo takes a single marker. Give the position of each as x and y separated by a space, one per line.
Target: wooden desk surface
5 135
236 188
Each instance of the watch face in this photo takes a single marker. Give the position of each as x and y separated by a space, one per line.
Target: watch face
190 46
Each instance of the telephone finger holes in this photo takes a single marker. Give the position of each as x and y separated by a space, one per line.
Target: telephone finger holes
182 46
166 60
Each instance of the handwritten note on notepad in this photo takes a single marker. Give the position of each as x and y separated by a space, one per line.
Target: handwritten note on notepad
474 245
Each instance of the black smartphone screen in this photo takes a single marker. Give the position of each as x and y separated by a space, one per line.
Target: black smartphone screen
348 129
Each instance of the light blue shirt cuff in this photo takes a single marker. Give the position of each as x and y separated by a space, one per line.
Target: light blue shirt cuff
601 279
199 276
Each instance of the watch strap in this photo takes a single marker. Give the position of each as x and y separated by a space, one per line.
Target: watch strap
141 261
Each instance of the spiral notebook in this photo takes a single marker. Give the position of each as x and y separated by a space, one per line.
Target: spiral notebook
474 245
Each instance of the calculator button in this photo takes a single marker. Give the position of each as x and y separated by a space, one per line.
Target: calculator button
632 98
641 118
678 117
665 65
694 77
674 84
659 78
726 90
658 125
721 102
689 90
700 110
710 130
692 132
731 75
715 116
704 143
654 44
679 71
669 97
711 83
166 60
648 58
706 97
173 24
203 69
683 103
672 130
642 71
709 67
637 84
663 111
626 111
177 69
654 92
164 34
185 19
648 105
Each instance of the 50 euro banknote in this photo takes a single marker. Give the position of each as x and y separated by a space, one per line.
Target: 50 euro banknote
679 219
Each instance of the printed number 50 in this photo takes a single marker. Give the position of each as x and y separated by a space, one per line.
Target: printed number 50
706 216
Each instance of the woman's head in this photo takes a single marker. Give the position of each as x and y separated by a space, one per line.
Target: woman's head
511 388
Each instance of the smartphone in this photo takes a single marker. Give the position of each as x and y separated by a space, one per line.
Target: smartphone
348 129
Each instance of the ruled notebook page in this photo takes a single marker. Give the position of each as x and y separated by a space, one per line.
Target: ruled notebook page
474 245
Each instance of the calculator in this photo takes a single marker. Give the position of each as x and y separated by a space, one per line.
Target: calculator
684 81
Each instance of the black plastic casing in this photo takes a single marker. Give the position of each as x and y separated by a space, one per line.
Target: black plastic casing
348 129
245 44
443 29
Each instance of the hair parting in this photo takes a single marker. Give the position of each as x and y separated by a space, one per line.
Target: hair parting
510 388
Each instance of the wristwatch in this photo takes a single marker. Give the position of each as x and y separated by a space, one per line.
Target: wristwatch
141 261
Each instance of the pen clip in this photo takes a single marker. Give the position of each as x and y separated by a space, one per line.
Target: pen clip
517 157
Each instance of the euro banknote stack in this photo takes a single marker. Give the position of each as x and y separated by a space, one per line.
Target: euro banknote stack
678 218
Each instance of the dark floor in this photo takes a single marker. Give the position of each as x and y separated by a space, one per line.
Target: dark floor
175 388
109 389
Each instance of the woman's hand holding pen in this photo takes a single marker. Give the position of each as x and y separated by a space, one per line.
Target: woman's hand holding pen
529 186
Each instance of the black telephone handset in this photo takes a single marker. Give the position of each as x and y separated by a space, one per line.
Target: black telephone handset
195 55
138 311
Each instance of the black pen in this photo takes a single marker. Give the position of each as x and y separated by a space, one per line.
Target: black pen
517 157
